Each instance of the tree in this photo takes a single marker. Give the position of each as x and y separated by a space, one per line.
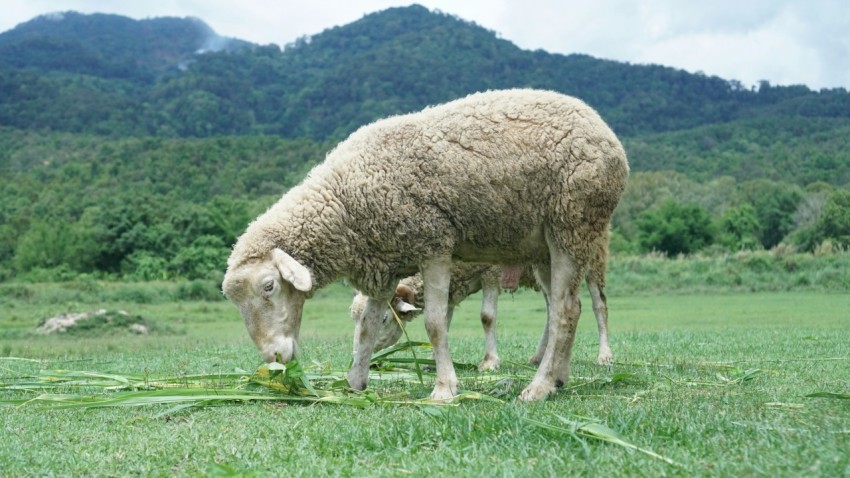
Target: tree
739 228
775 204
834 222
675 228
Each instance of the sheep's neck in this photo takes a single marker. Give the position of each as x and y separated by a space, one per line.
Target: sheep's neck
309 229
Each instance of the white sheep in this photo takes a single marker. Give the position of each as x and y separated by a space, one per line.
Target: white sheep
503 177
468 279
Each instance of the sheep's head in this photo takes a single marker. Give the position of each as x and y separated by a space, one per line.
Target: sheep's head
389 331
270 294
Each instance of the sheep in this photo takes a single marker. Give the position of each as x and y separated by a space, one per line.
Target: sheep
504 177
468 279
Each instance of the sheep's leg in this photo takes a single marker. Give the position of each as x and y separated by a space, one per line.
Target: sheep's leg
600 310
489 307
437 275
542 274
449 315
366 331
564 311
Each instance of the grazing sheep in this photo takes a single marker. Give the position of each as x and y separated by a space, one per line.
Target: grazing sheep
503 177
468 279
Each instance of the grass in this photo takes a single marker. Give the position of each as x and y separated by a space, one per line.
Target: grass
721 383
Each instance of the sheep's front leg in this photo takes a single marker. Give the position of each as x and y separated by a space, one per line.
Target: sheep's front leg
489 307
437 275
366 330
600 310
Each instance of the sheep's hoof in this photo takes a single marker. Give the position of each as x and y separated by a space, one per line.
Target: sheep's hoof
536 392
535 359
444 392
489 364
605 358
357 382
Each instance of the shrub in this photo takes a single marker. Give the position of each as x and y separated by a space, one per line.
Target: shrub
739 228
199 290
204 258
675 228
144 266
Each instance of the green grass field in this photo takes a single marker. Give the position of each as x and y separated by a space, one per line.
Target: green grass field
715 382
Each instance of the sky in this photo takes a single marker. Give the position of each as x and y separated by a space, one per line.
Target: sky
786 42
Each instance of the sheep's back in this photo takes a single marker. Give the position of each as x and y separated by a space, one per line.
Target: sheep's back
481 177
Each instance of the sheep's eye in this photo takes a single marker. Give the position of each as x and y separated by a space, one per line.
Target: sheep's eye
268 287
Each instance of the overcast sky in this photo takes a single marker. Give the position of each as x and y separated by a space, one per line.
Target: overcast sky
782 41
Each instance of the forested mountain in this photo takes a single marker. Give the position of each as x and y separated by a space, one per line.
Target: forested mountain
394 61
108 46
143 147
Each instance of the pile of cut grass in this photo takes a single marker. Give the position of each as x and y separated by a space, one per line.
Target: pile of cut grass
282 383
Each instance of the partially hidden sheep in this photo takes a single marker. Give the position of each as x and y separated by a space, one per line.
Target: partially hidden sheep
409 299
467 279
506 177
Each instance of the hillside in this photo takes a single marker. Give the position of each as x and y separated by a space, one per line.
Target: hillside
130 147
389 62
108 46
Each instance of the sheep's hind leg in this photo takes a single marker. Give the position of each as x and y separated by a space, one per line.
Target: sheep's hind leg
365 335
489 308
564 310
437 275
600 310
542 274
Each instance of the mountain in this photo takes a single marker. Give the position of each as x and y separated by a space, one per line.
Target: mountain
136 148
113 76
108 46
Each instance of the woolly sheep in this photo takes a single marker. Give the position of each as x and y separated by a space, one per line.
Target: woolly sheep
503 177
468 279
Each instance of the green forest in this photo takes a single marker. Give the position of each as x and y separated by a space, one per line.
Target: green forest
142 149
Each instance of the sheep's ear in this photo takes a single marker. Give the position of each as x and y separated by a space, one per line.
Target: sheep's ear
405 293
403 307
292 271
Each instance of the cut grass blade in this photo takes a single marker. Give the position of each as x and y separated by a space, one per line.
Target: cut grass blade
736 377
399 347
412 349
594 430
385 356
845 396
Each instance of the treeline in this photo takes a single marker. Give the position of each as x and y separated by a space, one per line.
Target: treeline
158 208
142 208
669 213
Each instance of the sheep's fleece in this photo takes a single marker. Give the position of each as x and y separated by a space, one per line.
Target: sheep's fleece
502 177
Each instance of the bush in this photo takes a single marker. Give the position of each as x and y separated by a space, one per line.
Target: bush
675 229
739 229
834 222
205 258
199 290
144 266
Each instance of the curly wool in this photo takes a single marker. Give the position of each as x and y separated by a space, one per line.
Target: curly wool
481 179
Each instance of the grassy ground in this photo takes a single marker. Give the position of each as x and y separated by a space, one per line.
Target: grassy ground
716 382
